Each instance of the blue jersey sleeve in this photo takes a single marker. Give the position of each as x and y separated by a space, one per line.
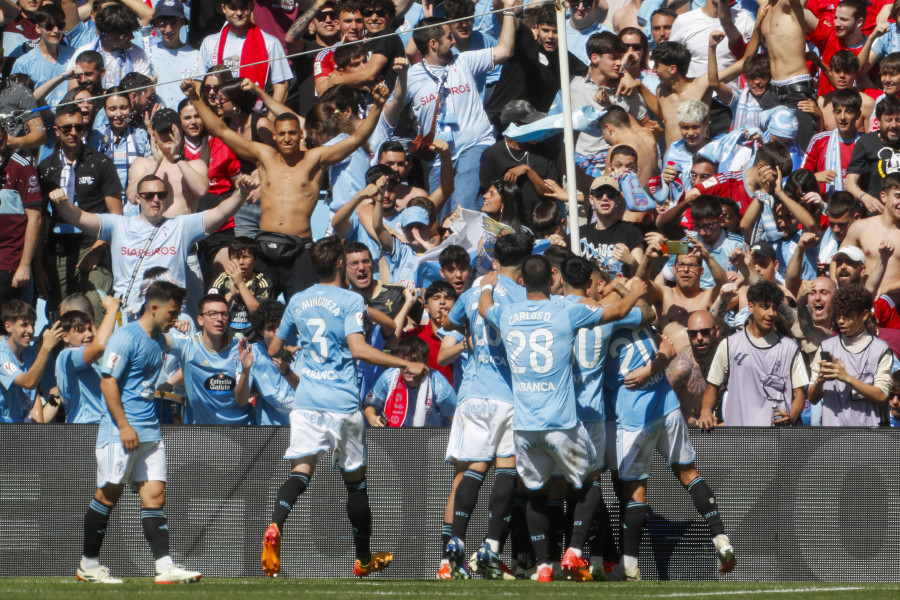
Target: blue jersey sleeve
444 396
353 320
493 315
287 329
458 312
178 347
117 355
632 320
582 315
379 391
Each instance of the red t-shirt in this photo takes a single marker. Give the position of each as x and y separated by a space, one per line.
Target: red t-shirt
728 185
223 165
324 63
434 346
21 190
886 313
826 40
814 160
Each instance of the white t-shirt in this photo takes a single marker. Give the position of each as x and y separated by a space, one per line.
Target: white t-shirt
171 65
461 102
127 237
693 28
118 63
279 70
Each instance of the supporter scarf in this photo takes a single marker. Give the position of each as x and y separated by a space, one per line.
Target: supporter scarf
748 111
122 67
253 50
396 405
833 162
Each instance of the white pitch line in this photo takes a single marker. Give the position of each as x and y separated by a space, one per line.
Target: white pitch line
775 591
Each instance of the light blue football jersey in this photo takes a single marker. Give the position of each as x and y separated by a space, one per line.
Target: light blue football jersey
491 379
539 337
322 317
591 348
635 409
78 384
276 396
134 360
210 379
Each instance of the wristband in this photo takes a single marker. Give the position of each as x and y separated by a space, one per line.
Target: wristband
178 159
509 12
487 287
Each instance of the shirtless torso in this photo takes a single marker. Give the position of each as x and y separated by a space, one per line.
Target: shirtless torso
868 235
671 97
644 143
782 30
184 197
676 307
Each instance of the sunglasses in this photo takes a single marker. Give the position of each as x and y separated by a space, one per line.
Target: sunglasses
586 3
326 16
636 46
211 89
77 127
380 13
703 332
153 195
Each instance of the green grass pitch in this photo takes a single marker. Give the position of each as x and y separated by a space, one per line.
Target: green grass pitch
252 589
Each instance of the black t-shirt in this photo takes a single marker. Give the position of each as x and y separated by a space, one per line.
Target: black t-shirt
498 159
599 244
390 46
238 316
530 74
872 159
305 94
96 179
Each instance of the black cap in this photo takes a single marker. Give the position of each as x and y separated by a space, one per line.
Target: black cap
168 8
763 249
164 119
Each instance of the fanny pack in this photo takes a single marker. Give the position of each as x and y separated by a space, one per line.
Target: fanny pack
277 247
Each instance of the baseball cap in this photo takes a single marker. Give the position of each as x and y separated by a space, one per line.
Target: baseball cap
851 252
168 8
164 119
413 214
764 249
606 181
519 112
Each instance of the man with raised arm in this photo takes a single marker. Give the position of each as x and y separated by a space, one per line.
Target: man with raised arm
290 177
784 27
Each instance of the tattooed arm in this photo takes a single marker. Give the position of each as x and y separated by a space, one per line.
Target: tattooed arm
689 384
301 25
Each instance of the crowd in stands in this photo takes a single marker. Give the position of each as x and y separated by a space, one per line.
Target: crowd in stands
742 159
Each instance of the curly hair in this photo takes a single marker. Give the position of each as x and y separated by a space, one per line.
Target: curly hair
851 300
269 311
766 292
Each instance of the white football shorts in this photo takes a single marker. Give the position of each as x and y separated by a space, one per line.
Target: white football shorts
115 465
541 454
481 431
668 435
314 432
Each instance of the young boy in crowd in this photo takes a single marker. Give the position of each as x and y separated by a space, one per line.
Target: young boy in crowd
401 399
440 297
844 71
829 152
890 83
273 378
456 268
242 286
745 106
21 365
851 374
77 368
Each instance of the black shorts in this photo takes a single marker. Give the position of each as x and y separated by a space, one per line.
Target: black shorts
285 260
209 247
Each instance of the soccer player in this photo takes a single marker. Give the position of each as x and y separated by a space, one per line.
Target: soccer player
481 432
328 320
539 338
272 377
648 418
210 361
130 447
77 368
591 348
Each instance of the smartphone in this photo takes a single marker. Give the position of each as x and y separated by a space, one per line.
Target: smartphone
676 247
827 357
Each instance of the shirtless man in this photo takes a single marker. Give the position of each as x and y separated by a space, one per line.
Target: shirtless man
620 128
871 234
674 305
687 371
672 61
784 31
844 73
290 177
186 180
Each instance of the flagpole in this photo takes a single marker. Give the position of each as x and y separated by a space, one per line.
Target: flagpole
568 136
